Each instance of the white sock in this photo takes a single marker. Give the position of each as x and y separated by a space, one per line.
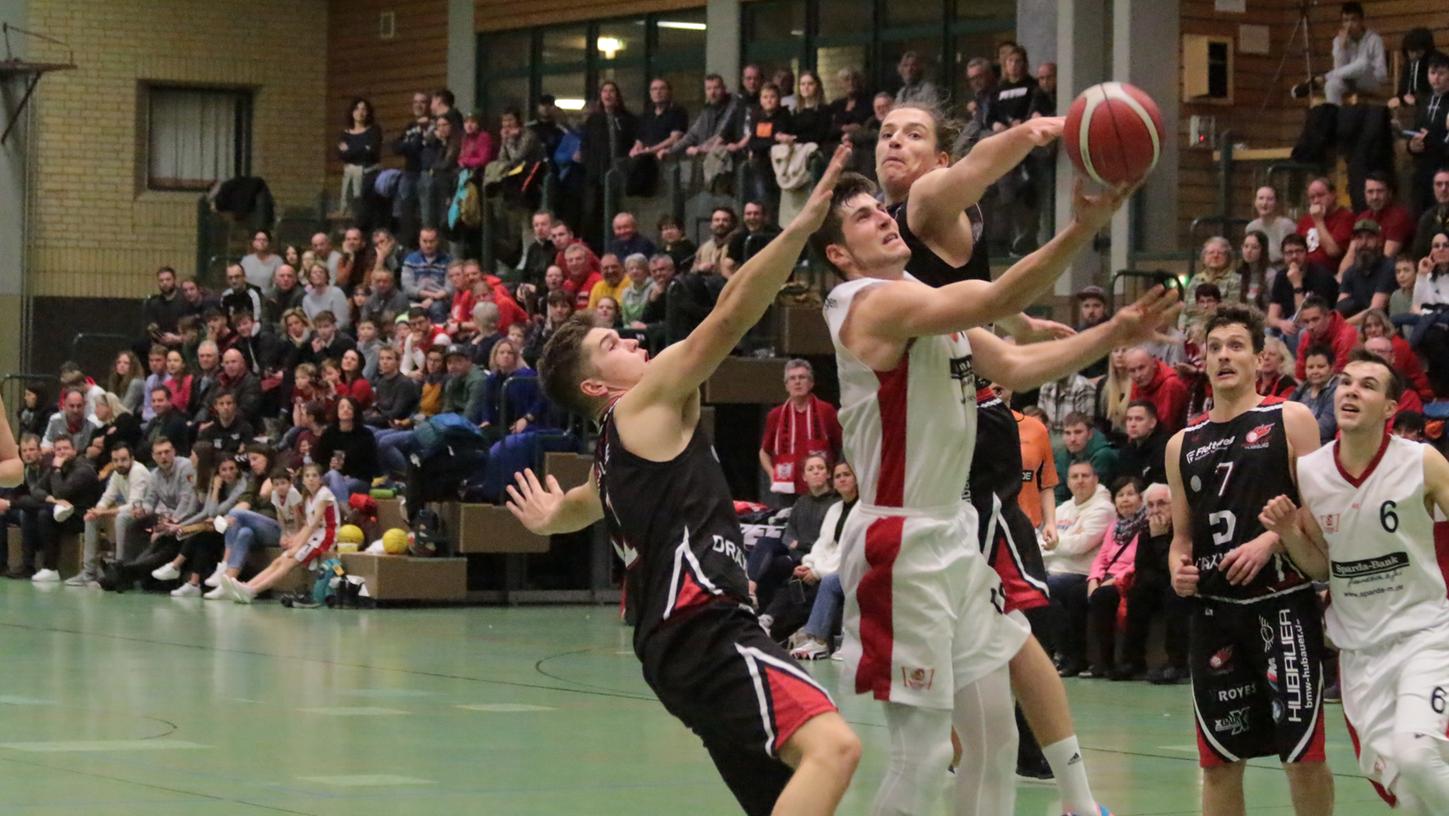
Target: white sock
1070 769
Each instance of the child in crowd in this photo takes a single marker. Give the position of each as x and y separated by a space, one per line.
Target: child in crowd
314 539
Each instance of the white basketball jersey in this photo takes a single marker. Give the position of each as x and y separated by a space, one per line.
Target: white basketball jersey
908 432
1384 579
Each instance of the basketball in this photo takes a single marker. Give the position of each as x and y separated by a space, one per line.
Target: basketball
1114 133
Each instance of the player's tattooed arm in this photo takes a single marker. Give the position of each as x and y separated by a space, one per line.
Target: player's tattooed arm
545 509
1300 534
1179 557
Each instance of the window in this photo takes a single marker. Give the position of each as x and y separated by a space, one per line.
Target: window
197 136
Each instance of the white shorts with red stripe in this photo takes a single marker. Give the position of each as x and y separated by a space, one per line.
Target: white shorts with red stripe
315 547
924 611
1400 687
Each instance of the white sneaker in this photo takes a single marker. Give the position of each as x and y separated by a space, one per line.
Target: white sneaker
214 580
218 594
238 591
78 580
186 591
810 649
46 576
166 572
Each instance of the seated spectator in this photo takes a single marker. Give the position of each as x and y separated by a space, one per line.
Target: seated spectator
1367 275
161 311
286 294
179 381
517 145
1359 63
1401 300
1072 394
368 343
1409 425
769 122
1112 570
167 422
309 420
717 124
238 294
1151 595
673 242
422 338
1396 224
355 263
70 422
1435 218
155 378
634 294
425 275
258 347
710 257
758 231
69 490
127 381
350 382
125 489
238 380
322 296
519 406
612 283
227 431
1082 521
386 301
1299 279
1376 324
562 236
386 252
771 564
1383 348
262 263
295 345
560 307
1255 274
627 240
1327 228
804 425
1216 268
276 515
1082 443
477 148
114 425
202 547
1320 383
1324 327
818 573
349 451
1275 371
195 300
170 496
1271 222
1145 454
315 539
851 109
479 287
1155 381
395 396
484 326
324 253
606 313
37 408
1430 333
581 273
21 506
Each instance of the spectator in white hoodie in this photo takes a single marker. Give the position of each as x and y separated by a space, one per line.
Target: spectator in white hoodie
822 566
1082 521
125 489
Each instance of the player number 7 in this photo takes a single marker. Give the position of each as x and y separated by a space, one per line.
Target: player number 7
1223 485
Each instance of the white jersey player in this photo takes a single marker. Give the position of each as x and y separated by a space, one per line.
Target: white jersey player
1367 526
924 626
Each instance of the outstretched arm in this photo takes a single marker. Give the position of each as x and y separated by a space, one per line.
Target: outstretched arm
679 370
901 310
547 510
938 200
1024 367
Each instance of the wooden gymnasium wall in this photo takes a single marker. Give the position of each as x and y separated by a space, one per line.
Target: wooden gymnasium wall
385 71
501 15
1262 114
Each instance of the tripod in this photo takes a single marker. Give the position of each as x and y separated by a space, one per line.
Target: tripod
1300 29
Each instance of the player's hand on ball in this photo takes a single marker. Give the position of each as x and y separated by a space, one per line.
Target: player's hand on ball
1243 563
1184 577
1280 515
812 215
1095 211
532 503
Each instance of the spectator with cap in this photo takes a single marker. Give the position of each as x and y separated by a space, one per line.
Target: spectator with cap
1367 275
1396 224
1270 221
1326 227
1092 310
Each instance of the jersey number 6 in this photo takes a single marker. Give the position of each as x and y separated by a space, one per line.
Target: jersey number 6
1388 517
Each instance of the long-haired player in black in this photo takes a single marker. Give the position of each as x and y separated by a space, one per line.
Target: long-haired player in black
1256 641
774 734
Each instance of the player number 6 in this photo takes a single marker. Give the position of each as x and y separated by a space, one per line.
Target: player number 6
1388 517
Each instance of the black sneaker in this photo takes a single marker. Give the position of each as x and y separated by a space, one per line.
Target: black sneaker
1069 668
1128 671
1332 694
300 600
1167 676
1038 770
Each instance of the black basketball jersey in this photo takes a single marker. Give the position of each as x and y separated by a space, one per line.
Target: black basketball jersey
1230 470
996 460
674 525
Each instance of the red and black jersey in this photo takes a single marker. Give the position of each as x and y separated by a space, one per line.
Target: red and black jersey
674 525
1230 470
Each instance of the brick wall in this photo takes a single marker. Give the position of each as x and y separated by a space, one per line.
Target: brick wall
95 230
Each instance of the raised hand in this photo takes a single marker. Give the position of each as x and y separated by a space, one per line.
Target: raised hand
532 503
812 215
1144 320
1095 211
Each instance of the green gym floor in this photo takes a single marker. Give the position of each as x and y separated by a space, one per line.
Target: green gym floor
144 704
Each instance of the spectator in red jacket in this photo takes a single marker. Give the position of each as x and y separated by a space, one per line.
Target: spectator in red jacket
1327 227
1326 327
803 425
1405 361
581 272
1383 348
1156 382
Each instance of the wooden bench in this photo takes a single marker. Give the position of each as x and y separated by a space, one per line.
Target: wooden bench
71 546
404 578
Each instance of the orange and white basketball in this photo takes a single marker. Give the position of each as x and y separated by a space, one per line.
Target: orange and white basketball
1114 133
